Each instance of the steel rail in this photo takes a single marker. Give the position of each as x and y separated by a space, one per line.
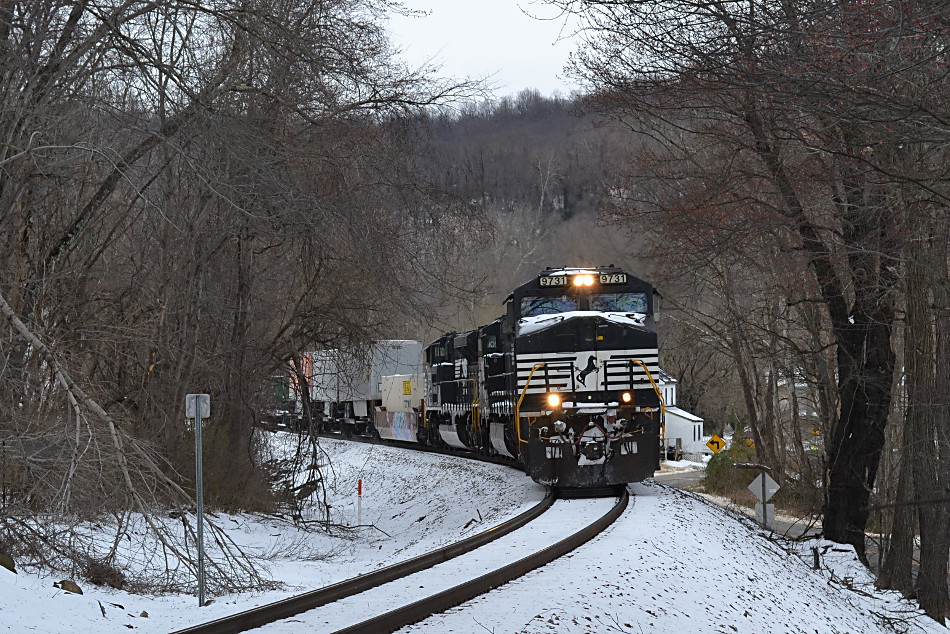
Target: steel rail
292 606
424 608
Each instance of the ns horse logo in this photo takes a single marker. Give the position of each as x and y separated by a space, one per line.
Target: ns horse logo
587 371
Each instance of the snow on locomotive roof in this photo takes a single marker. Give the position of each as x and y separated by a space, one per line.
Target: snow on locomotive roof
570 272
536 323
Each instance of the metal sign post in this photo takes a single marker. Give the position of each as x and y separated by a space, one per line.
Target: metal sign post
198 406
764 487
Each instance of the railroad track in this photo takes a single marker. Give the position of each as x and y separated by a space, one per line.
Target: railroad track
414 446
401 616
394 619
292 606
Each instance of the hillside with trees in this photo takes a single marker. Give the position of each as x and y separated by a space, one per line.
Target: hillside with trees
539 170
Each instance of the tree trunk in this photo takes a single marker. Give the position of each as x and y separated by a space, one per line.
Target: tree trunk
234 478
865 366
862 331
930 482
897 568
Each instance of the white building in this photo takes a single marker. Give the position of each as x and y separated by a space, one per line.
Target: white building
680 424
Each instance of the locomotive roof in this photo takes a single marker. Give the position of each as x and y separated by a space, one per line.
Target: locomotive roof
533 284
572 270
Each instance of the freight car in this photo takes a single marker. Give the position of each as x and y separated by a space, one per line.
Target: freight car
345 386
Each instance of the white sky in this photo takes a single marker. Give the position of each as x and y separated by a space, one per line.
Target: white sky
498 38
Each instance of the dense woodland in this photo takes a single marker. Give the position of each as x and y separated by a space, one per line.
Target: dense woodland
193 194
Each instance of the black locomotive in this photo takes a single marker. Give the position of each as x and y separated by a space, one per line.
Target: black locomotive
563 382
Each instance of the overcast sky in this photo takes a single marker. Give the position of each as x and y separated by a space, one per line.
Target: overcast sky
479 38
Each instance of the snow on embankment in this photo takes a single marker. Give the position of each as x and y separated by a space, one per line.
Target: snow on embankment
675 563
416 501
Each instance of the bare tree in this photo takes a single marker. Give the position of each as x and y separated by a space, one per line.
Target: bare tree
784 120
190 193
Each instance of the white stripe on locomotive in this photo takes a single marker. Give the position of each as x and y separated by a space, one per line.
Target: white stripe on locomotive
561 366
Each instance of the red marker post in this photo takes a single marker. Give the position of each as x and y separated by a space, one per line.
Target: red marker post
359 501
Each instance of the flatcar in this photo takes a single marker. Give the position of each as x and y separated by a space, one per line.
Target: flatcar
562 382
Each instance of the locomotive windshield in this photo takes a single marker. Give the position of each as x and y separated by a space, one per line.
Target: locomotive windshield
619 302
531 306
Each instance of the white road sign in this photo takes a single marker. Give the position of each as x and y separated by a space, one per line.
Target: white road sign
198 404
764 487
765 515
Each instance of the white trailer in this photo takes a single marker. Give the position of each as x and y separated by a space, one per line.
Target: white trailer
399 415
349 382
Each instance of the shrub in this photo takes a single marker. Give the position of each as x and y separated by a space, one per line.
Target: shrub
103 573
722 478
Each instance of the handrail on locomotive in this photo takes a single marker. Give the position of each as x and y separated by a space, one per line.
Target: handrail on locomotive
521 440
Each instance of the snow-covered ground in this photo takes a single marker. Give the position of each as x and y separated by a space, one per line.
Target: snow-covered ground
672 563
414 502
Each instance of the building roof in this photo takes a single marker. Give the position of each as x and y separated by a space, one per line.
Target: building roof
682 413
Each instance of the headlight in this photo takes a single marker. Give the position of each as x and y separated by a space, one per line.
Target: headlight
583 280
560 426
627 397
554 400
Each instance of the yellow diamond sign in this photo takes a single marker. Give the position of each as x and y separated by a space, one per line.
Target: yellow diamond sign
716 444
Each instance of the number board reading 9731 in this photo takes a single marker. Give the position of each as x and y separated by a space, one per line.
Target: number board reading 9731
562 280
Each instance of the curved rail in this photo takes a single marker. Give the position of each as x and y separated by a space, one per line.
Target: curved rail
292 606
424 608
